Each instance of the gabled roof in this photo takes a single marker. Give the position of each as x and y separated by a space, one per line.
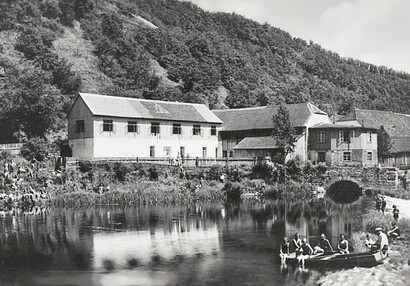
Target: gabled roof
400 145
396 124
126 107
261 117
249 143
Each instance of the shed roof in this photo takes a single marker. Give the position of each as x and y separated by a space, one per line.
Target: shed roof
396 124
126 107
261 117
249 143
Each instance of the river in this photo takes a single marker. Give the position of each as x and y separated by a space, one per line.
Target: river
200 244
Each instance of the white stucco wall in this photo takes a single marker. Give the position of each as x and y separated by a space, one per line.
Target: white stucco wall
121 143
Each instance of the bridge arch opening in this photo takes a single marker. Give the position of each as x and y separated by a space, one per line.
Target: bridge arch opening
344 192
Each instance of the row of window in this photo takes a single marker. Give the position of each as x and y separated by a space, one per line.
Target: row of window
344 136
132 127
347 156
167 151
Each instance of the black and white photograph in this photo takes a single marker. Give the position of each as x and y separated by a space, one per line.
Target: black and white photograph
204 142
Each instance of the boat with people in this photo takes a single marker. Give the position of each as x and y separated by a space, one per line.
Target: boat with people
339 260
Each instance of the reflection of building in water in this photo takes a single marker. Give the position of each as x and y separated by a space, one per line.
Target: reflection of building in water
310 220
184 240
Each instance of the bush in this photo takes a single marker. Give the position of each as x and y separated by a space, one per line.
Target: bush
121 171
374 219
153 174
35 148
85 166
233 191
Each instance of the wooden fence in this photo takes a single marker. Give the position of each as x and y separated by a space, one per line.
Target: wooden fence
186 162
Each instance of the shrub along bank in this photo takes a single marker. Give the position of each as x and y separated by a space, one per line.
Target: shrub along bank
147 184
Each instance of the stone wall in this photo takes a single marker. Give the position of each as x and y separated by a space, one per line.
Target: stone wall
365 177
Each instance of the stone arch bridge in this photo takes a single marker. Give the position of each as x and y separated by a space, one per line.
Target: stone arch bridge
346 184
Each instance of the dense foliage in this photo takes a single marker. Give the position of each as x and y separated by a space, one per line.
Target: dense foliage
223 60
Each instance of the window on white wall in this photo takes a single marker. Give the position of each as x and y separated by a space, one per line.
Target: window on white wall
155 128
196 130
152 151
369 136
213 130
176 129
132 127
322 137
369 156
204 152
108 125
352 135
347 156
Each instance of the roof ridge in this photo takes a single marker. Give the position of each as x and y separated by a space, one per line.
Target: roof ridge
139 99
242 108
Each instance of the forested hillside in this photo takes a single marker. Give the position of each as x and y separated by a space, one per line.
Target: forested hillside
170 50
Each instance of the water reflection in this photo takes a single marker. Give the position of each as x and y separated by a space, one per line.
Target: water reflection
204 244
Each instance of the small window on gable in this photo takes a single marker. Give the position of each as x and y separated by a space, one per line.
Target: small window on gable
79 126
369 136
132 127
321 138
108 125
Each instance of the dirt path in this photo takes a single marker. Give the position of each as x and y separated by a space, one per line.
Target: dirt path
403 205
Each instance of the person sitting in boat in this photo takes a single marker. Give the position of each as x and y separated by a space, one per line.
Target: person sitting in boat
296 243
324 245
304 251
368 242
343 245
284 248
394 232
382 243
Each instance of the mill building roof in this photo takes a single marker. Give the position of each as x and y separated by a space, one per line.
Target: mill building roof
261 117
126 107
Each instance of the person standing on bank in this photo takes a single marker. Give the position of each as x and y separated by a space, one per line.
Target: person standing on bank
383 204
395 213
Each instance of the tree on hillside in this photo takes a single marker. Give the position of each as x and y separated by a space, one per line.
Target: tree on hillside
383 143
283 131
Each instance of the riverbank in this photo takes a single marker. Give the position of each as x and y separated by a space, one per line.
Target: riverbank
111 183
396 268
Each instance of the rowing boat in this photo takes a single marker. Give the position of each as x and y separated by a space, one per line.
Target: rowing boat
364 259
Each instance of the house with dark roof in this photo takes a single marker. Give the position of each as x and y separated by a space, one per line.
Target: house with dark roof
247 132
110 126
343 144
397 125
